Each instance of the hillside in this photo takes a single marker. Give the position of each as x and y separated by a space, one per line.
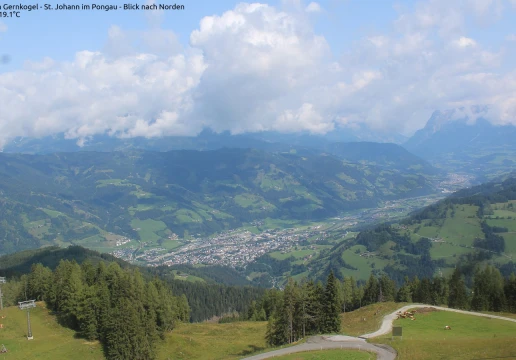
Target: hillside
386 155
51 340
472 226
226 289
453 141
109 201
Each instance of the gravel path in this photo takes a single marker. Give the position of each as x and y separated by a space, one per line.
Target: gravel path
331 342
383 352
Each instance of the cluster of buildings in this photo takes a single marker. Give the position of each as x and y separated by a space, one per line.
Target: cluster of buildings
234 248
122 241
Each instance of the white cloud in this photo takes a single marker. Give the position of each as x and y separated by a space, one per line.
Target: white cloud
257 68
313 7
511 37
3 27
463 42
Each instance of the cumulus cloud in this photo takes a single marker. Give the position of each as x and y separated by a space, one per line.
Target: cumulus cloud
256 68
463 42
313 7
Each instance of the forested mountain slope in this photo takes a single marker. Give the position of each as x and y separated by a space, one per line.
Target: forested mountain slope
473 226
91 198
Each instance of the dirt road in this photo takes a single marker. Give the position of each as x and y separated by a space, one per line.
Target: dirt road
331 342
383 352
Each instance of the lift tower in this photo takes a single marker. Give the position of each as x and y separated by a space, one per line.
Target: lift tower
27 305
2 281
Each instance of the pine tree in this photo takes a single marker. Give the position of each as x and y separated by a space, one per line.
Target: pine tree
312 312
88 312
510 292
39 282
269 334
371 291
458 297
289 307
331 306
388 288
404 294
71 296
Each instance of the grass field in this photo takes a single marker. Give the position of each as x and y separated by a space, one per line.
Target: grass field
470 338
147 229
298 254
353 323
51 341
363 264
329 355
187 277
214 341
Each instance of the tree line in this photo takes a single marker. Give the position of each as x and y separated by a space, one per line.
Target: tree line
116 306
309 308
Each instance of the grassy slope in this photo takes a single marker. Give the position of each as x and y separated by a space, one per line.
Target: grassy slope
470 337
458 234
214 341
353 323
51 341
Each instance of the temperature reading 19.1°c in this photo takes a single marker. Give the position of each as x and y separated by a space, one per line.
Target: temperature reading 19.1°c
9 14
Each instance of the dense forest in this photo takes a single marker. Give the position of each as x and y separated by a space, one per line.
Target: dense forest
116 306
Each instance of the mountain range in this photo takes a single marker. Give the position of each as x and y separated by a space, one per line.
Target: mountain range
459 143
92 196
455 140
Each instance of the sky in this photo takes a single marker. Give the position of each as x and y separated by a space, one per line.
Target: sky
286 65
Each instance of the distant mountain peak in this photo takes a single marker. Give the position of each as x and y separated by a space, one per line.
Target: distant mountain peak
464 138
469 115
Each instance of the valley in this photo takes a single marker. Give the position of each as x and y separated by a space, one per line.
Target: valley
237 248
147 200
254 180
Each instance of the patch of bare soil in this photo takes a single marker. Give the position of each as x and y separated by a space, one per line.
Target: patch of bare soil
425 310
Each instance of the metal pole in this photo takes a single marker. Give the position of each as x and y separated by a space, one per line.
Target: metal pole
2 281
29 330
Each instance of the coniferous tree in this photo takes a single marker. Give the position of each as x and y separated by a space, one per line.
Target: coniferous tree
388 288
312 309
404 294
39 282
371 291
88 314
510 292
331 306
346 293
458 297
289 308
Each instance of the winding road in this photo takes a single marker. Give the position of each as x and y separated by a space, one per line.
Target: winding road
383 352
